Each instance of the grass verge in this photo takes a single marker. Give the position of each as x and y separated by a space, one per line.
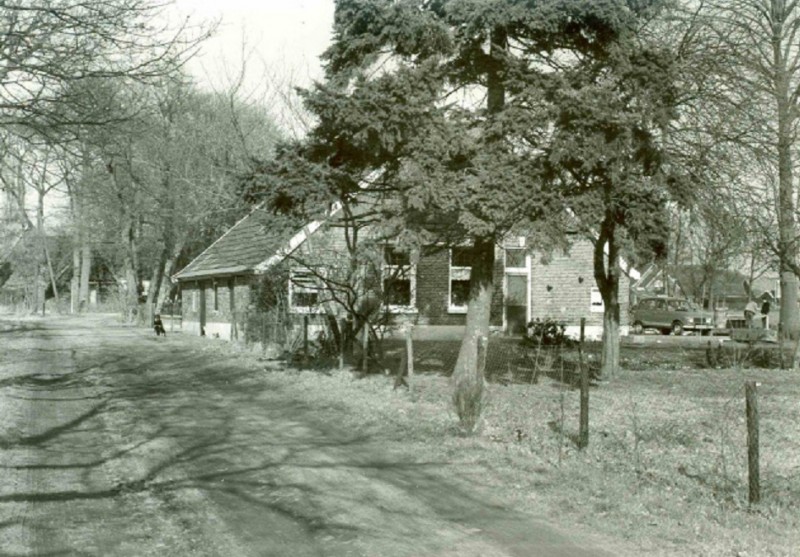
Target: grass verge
665 470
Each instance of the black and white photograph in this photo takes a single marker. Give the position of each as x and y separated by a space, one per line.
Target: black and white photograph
399 278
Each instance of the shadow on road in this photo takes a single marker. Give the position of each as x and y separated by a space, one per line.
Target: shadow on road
198 432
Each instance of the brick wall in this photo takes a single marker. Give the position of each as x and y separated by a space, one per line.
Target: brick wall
219 318
433 276
562 288
567 299
433 290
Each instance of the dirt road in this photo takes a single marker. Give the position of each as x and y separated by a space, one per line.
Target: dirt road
113 442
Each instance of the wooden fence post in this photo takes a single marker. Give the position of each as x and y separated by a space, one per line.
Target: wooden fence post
341 323
751 407
583 435
410 356
305 339
365 348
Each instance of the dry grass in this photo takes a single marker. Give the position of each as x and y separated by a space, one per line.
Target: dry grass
666 468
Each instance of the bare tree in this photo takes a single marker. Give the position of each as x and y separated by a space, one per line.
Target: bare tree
49 45
761 93
34 171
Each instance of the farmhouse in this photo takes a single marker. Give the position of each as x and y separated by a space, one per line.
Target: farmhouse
220 288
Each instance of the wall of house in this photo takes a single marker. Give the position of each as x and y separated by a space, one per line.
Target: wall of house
433 291
223 320
190 316
561 289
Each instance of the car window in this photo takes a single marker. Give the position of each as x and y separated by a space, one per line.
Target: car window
680 305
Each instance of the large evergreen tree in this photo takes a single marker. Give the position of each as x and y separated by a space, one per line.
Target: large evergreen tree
467 115
612 109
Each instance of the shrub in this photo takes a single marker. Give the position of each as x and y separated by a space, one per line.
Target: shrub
547 333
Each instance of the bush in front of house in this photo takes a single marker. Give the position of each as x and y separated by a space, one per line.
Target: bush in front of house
547 332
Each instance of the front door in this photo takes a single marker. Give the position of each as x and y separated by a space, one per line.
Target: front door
516 304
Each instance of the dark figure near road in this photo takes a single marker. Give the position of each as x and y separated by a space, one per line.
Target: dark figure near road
765 307
158 325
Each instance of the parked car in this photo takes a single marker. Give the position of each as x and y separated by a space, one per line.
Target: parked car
670 315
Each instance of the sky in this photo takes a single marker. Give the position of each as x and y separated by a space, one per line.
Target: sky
270 37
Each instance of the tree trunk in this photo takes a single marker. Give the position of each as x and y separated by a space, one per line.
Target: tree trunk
51 273
167 276
610 356
82 236
131 297
468 376
155 281
74 282
789 311
787 233
45 250
38 292
606 274
86 269
468 373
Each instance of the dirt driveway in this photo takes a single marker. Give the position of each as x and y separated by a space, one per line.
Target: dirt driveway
113 442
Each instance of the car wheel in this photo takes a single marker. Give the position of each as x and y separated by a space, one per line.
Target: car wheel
638 328
677 328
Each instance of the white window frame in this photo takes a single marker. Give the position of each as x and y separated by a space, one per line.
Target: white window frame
517 272
410 271
462 272
596 304
318 289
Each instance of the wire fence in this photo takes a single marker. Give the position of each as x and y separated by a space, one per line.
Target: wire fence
509 358
700 437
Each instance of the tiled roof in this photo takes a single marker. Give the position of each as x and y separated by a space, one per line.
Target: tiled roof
248 243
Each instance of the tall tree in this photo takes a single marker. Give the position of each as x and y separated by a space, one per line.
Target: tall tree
34 173
462 114
164 182
59 56
762 70
49 45
449 172
611 109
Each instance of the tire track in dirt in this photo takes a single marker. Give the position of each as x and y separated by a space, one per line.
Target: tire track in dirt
72 463
116 443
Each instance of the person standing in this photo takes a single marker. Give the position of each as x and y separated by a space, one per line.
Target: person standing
765 307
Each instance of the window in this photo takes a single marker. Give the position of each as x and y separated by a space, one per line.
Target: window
399 279
216 296
304 291
515 259
596 305
195 299
460 270
231 300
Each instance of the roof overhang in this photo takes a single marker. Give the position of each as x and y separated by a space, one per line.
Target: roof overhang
213 273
